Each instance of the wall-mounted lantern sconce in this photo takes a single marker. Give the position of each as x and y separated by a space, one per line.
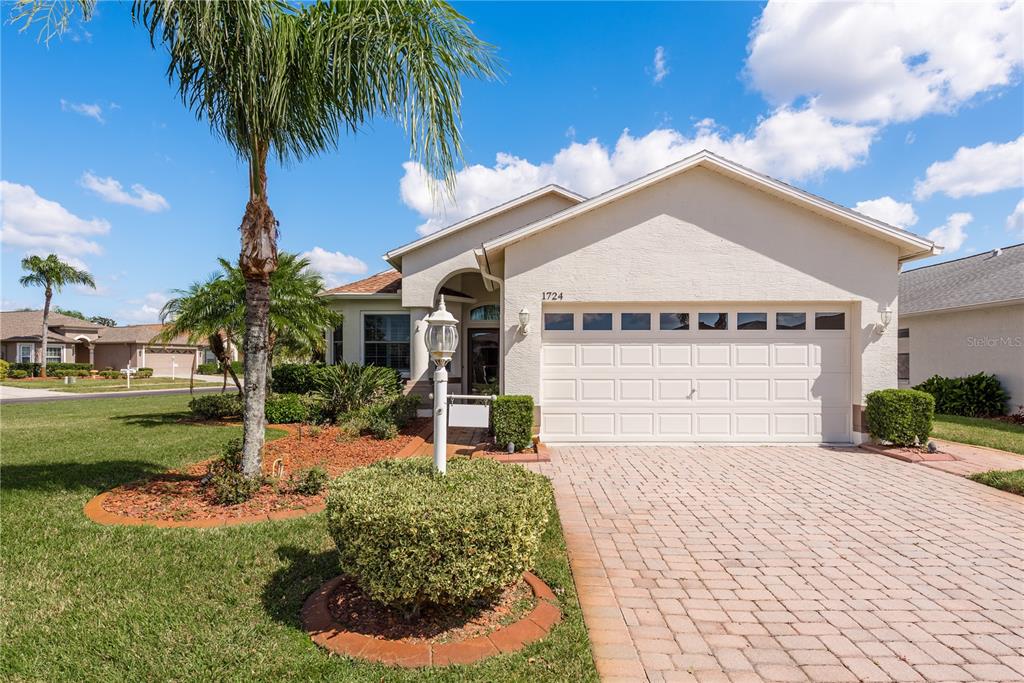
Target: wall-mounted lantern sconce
886 317
524 322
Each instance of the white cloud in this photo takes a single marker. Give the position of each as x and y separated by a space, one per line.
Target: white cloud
659 67
884 61
93 111
112 191
790 144
951 234
144 310
888 210
44 226
1015 221
975 170
333 265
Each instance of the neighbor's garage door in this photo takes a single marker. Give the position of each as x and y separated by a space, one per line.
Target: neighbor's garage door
160 360
696 373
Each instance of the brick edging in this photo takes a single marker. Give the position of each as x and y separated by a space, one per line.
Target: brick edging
94 508
319 623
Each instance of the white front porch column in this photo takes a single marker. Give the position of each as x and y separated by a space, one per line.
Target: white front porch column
419 360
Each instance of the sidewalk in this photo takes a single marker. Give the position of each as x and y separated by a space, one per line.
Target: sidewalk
13 395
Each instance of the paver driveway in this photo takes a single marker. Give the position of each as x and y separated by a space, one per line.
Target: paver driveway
791 564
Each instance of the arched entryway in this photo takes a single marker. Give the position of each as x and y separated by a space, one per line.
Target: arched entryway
476 367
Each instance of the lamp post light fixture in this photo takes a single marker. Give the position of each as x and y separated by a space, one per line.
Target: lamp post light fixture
441 338
524 322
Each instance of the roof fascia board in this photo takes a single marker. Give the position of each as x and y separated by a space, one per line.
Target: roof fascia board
397 253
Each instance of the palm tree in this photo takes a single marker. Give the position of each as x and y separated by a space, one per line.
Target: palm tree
52 275
206 311
283 78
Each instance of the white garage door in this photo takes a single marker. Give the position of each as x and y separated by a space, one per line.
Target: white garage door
161 362
716 372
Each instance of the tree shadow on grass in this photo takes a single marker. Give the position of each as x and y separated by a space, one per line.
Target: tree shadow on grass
290 585
70 476
154 419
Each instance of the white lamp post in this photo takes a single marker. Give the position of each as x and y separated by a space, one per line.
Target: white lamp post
442 338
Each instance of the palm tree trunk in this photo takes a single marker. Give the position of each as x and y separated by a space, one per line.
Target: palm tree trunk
43 336
257 261
271 342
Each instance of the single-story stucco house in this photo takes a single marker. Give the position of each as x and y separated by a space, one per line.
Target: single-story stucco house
701 302
73 340
963 317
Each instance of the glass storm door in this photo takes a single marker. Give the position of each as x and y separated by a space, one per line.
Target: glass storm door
484 357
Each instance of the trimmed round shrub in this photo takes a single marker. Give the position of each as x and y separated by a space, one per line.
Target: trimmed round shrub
902 417
286 409
208 369
5 368
17 374
144 373
409 536
216 406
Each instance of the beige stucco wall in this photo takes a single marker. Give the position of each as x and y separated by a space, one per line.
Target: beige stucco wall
425 269
115 356
958 343
10 351
702 237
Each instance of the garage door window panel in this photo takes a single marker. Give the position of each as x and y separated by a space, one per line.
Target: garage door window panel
751 321
597 322
713 321
674 321
829 320
790 321
633 322
558 322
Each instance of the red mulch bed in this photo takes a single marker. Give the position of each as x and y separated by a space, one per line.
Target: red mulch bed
354 611
180 495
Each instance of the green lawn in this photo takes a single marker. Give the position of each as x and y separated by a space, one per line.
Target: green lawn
86 386
1011 480
91 603
980 431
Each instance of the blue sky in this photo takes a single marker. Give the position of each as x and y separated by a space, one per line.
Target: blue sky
912 112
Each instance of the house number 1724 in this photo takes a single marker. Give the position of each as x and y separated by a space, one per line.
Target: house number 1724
551 296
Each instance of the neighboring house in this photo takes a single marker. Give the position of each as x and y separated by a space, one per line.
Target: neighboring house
702 302
963 317
67 340
72 340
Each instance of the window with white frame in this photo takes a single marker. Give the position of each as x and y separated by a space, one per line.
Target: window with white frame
54 354
26 353
386 340
337 339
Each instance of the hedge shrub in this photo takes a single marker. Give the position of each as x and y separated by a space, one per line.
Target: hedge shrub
17 374
216 406
34 369
208 369
286 409
512 419
5 367
980 395
144 373
902 417
298 378
110 374
409 536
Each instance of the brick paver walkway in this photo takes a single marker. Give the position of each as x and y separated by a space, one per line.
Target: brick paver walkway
790 564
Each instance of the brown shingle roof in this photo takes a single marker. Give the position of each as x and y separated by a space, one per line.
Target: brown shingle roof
139 334
386 282
28 324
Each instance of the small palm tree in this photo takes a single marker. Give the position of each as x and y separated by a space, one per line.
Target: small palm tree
52 275
285 79
206 311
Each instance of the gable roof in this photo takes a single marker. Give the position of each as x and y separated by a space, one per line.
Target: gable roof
911 246
28 325
385 283
994 277
397 253
137 334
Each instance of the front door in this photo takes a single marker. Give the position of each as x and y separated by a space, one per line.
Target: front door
483 360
